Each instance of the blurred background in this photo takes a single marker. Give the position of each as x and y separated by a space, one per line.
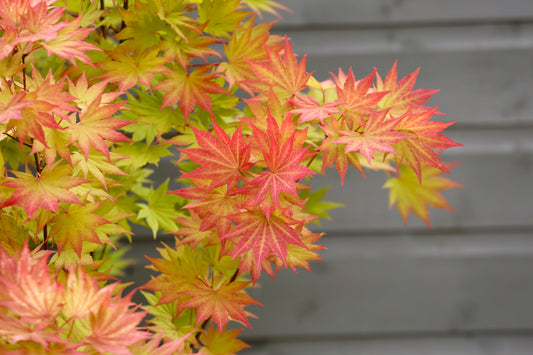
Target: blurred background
466 285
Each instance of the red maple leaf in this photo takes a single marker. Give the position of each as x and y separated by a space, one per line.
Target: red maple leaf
283 166
378 134
222 159
263 235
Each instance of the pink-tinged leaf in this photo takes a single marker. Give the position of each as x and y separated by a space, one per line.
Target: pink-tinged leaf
378 135
95 127
283 163
401 97
263 235
13 109
336 152
114 326
284 75
423 140
310 109
45 191
357 97
69 44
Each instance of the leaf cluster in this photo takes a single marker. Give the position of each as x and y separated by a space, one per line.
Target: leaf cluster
94 95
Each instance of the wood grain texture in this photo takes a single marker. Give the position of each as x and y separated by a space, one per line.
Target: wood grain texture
311 13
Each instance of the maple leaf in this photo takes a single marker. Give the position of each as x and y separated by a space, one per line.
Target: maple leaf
156 346
219 303
113 326
13 108
189 89
269 6
298 256
69 44
255 231
357 97
378 135
191 230
247 43
45 190
212 205
180 268
28 290
82 294
424 137
400 97
95 127
220 17
409 194
160 209
222 343
222 159
97 165
285 76
34 20
86 94
76 226
310 109
130 66
283 164
336 152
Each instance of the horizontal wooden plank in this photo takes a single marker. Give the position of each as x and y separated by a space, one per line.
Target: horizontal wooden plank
391 12
473 345
484 73
369 286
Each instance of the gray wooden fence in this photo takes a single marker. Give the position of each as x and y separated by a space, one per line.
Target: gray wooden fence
466 286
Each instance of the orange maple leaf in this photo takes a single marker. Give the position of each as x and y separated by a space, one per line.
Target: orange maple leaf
45 190
400 96
336 152
285 76
189 89
219 303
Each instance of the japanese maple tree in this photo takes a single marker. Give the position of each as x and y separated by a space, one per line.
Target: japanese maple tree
93 94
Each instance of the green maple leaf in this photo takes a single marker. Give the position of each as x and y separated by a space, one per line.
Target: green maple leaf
77 225
314 204
141 154
160 211
408 193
